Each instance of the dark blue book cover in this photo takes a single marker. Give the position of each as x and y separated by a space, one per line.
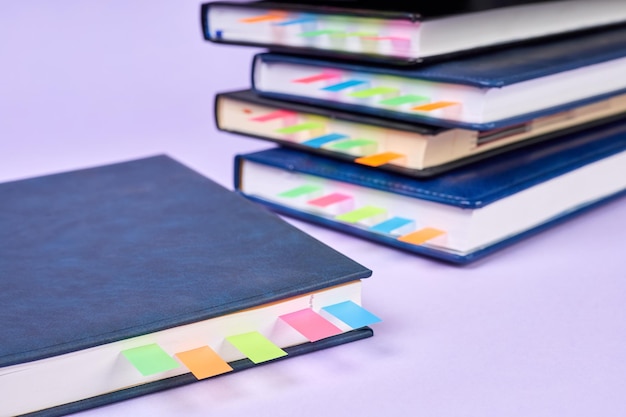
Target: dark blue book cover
100 255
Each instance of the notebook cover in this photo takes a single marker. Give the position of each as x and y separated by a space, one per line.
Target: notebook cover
394 9
164 244
180 380
422 129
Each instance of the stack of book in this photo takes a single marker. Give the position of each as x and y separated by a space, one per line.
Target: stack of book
449 135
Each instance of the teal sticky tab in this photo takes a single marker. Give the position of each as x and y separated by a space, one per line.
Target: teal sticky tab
256 347
300 191
150 359
319 141
407 99
371 92
300 127
352 314
390 225
359 214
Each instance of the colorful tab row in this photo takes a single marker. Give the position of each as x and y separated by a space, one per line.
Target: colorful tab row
341 206
204 362
366 150
392 97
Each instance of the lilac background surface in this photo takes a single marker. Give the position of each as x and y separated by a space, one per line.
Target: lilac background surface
538 329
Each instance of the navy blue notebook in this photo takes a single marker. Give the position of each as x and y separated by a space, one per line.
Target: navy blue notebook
480 92
459 216
397 32
111 274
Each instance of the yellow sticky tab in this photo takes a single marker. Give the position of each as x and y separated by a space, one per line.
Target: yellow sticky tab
434 106
379 159
421 236
204 362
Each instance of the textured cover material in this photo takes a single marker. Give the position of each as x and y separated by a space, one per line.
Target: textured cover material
161 243
470 187
367 121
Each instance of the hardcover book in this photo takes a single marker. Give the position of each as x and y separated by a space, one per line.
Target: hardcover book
460 216
401 33
481 92
412 149
130 278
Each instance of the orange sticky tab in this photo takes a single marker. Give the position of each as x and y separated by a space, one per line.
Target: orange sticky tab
434 106
203 362
421 236
264 18
378 159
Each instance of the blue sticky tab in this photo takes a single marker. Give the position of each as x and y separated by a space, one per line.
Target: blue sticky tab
390 225
352 314
343 85
323 140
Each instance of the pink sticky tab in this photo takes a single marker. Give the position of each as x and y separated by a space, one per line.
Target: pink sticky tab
278 114
329 199
319 77
310 324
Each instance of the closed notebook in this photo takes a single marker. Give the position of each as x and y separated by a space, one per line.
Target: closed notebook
130 278
481 92
459 216
412 149
400 32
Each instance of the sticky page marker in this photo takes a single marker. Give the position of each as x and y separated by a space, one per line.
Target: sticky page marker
332 204
278 114
301 127
368 215
264 18
318 77
405 99
296 21
316 33
352 314
394 226
380 159
204 362
343 85
435 106
150 359
319 141
256 347
421 236
303 190
371 92
310 324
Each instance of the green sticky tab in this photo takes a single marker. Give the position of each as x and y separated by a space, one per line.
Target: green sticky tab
353 143
300 127
407 99
256 347
314 33
370 92
300 191
150 359
359 214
